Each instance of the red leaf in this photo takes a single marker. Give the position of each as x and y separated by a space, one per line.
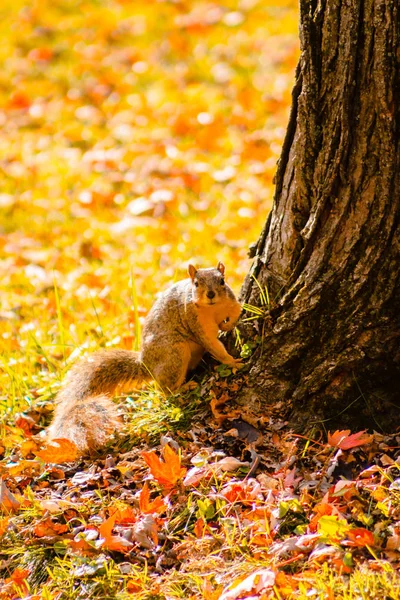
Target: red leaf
344 441
360 537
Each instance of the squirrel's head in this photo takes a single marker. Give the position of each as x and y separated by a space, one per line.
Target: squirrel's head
208 285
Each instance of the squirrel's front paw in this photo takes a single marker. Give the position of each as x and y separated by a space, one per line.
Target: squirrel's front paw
226 325
234 362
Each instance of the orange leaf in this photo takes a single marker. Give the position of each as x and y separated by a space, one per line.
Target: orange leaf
81 547
26 423
29 447
47 528
344 441
117 543
134 586
58 451
3 525
360 537
8 501
18 578
113 542
243 491
340 566
19 101
40 54
106 527
168 471
157 506
199 528
126 515
321 509
209 592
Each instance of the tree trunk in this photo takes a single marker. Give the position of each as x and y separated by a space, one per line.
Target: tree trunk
329 254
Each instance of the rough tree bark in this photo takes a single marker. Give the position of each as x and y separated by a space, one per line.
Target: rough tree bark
330 250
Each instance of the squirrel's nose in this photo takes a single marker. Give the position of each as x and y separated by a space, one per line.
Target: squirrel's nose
210 294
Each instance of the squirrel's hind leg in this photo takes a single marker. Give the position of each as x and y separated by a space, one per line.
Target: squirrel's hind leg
171 369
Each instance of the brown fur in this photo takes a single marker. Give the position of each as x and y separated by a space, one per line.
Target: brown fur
183 324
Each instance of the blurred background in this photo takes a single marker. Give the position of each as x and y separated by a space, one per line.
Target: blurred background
135 136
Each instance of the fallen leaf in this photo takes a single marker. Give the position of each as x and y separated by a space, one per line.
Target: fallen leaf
243 491
8 502
259 581
360 537
229 463
113 542
333 528
58 451
199 528
345 441
149 507
47 527
145 532
196 474
24 467
18 578
168 471
4 525
134 586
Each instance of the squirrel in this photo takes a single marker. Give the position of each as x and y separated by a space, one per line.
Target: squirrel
182 325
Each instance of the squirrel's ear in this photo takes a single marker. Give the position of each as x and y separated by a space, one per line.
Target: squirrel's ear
192 272
221 267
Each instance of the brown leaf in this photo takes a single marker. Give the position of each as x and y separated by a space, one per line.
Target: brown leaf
200 528
145 532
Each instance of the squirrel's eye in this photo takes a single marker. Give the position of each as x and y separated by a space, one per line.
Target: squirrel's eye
222 281
196 283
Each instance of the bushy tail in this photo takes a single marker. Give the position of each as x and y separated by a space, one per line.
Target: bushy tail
85 414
